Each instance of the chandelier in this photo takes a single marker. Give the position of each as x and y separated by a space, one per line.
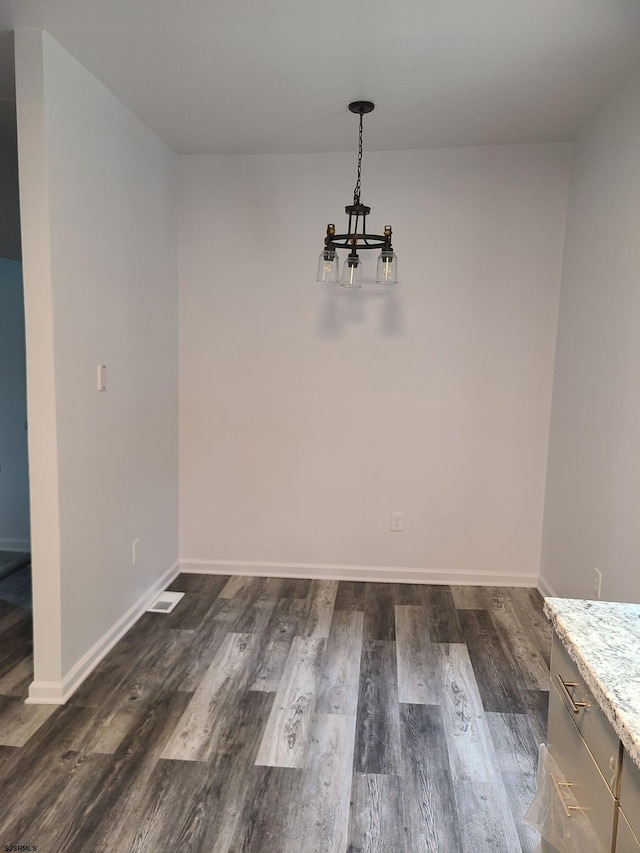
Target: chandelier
356 237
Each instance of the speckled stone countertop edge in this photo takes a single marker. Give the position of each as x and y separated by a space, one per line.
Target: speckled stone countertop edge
561 623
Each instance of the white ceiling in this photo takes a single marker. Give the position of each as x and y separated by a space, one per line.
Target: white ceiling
276 75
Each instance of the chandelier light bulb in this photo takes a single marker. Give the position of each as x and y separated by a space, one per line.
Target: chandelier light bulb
352 272
387 268
328 267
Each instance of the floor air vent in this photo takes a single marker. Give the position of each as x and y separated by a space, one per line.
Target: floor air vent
165 602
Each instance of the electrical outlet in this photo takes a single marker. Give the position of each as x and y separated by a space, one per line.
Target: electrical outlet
396 523
135 551
597 583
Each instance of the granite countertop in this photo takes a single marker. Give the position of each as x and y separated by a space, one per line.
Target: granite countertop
603 640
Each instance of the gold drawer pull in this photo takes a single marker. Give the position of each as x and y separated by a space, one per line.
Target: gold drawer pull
576 707
557 785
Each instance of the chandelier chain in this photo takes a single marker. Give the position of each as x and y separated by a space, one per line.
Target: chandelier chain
356 192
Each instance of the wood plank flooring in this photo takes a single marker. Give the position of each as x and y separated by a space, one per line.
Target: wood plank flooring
16 628
268 715
11 561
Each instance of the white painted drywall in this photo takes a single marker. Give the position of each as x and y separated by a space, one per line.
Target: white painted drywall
308 413
14 478
99 245
593 482
41 381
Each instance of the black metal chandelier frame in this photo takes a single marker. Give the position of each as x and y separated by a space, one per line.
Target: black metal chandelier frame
357 212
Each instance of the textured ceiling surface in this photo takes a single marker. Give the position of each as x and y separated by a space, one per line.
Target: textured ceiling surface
231 76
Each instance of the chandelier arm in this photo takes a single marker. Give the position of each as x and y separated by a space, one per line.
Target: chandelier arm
357 226
364 241
356 192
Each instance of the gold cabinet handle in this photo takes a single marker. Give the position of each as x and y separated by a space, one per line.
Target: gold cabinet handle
557 785
576 707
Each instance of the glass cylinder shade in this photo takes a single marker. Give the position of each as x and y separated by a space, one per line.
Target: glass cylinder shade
351 272
387 268
328 267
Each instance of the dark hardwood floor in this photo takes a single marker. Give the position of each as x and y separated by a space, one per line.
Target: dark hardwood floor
288 716
16 628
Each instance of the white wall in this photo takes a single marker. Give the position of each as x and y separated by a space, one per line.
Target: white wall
308 413
14 480
100 265
593 483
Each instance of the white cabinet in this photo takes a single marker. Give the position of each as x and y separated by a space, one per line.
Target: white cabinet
629 814
626 841
585 713
583 792
599 781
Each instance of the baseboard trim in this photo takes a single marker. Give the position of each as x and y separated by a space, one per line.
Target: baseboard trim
46 693
330 571
545 589
58 692
15 544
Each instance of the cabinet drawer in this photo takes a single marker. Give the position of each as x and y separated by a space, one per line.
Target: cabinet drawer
587 787
581 707
630 792
626 841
